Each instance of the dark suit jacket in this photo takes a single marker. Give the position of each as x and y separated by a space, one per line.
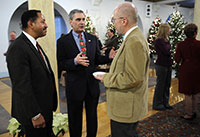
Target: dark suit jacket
112 42
79 79
33 84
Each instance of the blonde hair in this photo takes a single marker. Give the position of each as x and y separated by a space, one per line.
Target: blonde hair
163 31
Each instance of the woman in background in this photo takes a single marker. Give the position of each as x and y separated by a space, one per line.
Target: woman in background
163 69
188 55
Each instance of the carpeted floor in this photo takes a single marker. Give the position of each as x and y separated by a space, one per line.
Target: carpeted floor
4 120
169 124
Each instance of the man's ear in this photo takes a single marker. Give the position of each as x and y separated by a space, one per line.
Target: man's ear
125 21
30 23
195 34
70 22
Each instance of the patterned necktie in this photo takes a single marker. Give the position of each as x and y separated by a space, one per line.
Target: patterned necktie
83 46
38 47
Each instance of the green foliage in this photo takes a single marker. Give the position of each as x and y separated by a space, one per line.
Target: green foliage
153 34
88 25
177 25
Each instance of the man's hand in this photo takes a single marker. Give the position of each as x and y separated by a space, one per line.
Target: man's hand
82 60
100 77
112 53
104 48
39 122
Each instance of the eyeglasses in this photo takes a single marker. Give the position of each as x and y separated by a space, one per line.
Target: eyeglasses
113 19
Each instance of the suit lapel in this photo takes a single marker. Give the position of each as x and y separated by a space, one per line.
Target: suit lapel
73 43
114 62
87 42
47 60
35 51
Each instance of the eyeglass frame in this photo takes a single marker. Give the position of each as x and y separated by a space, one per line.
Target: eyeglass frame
113 19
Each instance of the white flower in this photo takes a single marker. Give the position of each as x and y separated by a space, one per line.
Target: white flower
13 126
60 123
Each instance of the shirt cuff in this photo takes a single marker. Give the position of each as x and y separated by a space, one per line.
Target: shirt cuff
75 62
36 117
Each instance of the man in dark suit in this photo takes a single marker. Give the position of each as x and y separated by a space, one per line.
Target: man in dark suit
113 41
80 83
34 96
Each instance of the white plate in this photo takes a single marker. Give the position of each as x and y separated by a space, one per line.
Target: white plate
98 73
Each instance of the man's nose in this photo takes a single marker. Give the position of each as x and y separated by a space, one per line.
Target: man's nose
46 26
82 21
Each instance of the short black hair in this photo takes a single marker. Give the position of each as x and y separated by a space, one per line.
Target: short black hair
112 30
190 30
28 15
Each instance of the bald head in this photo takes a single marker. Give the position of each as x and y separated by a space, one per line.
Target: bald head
127 10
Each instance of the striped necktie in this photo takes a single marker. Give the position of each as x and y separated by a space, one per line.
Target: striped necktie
42 55
83 46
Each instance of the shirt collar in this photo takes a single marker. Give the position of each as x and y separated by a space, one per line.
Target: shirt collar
129 31
33 41
76 34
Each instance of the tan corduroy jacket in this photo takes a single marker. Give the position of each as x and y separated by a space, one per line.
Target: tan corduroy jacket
127 80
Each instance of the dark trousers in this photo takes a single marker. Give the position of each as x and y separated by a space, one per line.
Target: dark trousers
123 129
75 114
30 131
161 94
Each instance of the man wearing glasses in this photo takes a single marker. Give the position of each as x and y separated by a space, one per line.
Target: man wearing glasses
127 80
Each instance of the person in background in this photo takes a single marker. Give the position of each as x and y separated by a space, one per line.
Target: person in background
163 69
34 96
12 39
127 81
111 42
188 56
78 54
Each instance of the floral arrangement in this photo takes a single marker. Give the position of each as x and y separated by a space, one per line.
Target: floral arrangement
60 125
14 126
